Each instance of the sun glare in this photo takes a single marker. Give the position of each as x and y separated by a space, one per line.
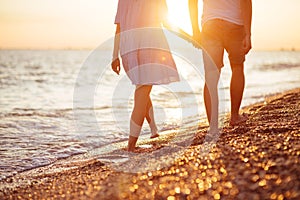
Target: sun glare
179 14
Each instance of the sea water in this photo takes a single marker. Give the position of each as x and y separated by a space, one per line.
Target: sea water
43 118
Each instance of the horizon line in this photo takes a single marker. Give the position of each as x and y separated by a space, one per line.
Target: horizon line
92 48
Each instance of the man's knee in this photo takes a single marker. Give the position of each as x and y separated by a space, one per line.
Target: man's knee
237 68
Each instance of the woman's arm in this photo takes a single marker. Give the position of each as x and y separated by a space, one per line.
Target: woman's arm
193 8
166 22
179 31
115 65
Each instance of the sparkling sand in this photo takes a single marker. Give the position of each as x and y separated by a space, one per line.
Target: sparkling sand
256 160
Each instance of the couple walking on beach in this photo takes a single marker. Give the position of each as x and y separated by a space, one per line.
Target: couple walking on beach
147 61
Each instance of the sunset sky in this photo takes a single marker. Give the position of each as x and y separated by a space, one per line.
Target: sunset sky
44 24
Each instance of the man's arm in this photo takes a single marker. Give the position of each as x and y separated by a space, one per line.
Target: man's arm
246 7
193 8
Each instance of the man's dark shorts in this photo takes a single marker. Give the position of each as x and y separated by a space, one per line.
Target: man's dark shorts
218 35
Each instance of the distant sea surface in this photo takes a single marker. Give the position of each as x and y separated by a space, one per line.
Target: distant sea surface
38 119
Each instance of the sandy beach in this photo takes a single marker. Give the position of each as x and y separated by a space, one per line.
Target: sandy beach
256 160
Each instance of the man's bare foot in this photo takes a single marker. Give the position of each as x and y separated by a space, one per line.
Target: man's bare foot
235 121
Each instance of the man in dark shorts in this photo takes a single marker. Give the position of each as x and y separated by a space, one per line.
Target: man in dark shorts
226 24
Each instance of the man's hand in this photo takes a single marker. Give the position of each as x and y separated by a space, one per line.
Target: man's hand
247 44
115 65
246 8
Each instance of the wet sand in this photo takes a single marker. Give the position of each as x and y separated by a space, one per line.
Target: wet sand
256 160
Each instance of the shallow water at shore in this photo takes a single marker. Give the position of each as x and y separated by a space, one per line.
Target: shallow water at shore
37 124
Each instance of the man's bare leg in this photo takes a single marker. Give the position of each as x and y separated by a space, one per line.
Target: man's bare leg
237 85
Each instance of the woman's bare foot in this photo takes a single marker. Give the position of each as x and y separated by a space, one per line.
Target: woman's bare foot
131 143
154 135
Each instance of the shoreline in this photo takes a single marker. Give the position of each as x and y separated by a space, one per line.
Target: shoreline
257 160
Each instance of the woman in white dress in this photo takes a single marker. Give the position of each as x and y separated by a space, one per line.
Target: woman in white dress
146 57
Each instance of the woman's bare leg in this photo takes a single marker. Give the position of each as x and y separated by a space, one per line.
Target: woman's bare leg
141 99
150 119
211 99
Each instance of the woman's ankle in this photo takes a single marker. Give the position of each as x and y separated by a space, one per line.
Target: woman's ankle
131 143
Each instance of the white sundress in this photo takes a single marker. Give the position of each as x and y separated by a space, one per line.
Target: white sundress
144 50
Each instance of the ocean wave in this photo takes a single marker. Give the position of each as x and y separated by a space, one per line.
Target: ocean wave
279 66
